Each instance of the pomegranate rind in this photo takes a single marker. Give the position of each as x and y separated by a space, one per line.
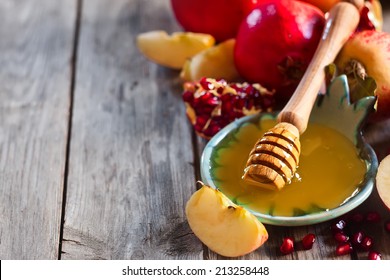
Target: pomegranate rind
325 6
383 181
220 18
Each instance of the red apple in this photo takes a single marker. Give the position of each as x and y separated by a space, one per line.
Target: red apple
219 18
276 42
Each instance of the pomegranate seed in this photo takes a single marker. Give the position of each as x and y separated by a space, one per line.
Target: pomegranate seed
206 103
366 243
188 97
239 103
341 237
248 89
249 103
219 90
387 226
212 129
217 103
373 255
373 217
357 238
227 105
343 249
357 217
287 246
339 226
308 241
206 84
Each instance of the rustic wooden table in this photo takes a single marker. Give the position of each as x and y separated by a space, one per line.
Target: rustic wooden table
97 158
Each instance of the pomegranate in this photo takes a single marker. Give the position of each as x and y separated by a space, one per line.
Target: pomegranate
357 238
357 217
373 217
212 104
387 226
287 246
308 241
366 243
219 18
373 255
343 249
324 5
368 51
341 237
338 226
276 42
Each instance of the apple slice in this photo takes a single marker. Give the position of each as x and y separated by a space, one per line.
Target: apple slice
227 229
383 181
215 62
172 51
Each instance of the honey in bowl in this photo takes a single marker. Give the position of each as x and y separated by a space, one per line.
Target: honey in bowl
329 172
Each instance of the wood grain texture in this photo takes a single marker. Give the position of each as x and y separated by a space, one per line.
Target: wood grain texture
36 40
131 159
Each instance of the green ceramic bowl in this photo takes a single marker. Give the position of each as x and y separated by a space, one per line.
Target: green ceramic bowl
332 110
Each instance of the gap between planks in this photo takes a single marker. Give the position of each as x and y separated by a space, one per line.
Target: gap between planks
73 70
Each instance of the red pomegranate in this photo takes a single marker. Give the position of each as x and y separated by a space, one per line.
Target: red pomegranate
276 42
212 104
220 18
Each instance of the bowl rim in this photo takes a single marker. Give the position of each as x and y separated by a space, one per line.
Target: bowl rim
313 218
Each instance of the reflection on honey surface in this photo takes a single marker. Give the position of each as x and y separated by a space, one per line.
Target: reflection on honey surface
329 172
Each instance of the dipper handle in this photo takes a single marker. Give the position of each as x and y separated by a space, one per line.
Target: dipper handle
342 21
274 159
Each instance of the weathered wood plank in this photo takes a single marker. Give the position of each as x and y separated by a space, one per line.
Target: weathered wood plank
131 160
36 40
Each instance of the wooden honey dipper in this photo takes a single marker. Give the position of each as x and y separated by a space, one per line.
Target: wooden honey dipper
275 157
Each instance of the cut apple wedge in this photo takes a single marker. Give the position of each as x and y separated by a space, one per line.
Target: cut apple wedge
383 181
226 228
172 50
215 62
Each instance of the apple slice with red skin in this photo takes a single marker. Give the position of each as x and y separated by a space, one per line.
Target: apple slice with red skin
383 181
226 228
